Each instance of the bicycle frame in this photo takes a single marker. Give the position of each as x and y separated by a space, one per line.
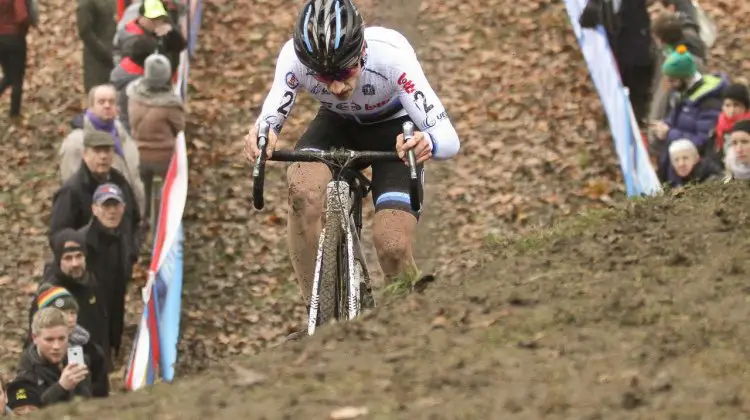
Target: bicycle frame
344 205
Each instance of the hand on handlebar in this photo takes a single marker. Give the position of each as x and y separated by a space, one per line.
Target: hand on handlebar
420 143
251 144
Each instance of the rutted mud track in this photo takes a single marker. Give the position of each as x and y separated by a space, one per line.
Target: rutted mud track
632 313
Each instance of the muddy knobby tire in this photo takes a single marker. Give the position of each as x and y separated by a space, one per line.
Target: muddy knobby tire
329 276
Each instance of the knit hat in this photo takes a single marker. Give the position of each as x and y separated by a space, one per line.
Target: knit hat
158 72
55 296
61 239
743 125
682 145
22 392
680 64
737 92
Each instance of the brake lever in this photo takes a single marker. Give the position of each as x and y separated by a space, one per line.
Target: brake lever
260 165
408 129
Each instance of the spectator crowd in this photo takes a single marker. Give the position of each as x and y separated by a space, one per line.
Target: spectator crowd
695 122
102 212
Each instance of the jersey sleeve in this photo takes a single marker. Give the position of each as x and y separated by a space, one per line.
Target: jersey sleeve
424 107
286 83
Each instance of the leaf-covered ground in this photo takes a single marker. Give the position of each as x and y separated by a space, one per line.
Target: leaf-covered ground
534 150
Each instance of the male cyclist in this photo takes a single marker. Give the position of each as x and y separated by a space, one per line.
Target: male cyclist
368 82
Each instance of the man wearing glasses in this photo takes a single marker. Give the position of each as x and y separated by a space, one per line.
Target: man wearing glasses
368 82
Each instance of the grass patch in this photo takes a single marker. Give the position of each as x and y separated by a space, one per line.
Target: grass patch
404 283
539 238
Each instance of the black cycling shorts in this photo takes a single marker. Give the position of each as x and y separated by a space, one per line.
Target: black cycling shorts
390 180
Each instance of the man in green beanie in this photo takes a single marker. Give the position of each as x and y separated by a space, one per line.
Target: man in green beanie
695 110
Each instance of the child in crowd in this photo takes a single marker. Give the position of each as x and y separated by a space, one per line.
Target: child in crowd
23 397
737 161
736 107
688 165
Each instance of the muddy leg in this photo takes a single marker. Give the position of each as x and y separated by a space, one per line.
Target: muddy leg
393 232
307 186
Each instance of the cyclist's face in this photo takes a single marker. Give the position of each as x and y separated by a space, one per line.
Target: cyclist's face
344 87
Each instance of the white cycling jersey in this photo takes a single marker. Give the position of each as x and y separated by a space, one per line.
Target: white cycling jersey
392 85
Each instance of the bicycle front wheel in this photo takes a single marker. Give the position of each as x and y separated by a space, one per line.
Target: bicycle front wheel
330 274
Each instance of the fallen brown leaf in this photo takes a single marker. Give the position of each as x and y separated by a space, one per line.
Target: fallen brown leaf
440 322
248 378
345 413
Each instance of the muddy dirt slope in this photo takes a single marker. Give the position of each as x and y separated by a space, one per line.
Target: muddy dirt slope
638 312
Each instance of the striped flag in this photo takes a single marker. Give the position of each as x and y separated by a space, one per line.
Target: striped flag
155 347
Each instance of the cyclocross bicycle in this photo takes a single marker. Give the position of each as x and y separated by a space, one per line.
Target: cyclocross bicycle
341 284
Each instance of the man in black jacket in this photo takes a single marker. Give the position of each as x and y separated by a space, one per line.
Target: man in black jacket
69 270
629 33
44 363
71 204
108 255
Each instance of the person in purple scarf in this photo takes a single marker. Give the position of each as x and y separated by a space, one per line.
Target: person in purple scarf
102 115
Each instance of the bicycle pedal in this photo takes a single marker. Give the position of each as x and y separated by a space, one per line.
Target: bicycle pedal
420 285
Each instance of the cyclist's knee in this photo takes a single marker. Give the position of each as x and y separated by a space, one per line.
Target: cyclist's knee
392 234
306 187
393 248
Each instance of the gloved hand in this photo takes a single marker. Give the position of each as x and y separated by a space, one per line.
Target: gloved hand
591 15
